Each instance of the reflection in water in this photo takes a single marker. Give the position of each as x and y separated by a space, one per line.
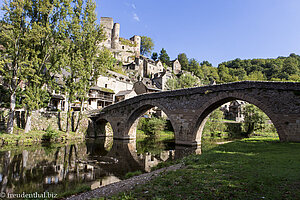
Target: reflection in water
94 162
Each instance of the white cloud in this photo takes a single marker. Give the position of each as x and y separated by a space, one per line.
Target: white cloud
133 6
135 17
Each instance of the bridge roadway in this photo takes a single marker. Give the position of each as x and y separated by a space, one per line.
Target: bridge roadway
188 109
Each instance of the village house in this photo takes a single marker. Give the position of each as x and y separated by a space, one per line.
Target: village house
234 110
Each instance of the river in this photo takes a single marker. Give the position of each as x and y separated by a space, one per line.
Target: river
91 163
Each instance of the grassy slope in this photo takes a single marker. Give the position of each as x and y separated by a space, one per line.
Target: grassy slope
257 168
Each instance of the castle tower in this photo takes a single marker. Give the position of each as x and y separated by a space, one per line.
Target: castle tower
137 40
108 24
115 36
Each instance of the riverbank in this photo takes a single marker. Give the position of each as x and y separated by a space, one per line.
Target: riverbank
255 168
35 137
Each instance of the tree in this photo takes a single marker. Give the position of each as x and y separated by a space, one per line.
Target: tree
147 45
184 81
206 63
195 68
182 58
256 76
14 54
214 123
81 49
164 57
152 126
91 69
254 119
43 20
154 56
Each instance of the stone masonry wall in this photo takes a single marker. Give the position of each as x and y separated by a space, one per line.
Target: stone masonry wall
41 120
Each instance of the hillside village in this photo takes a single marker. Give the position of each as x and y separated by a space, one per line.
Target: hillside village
143 74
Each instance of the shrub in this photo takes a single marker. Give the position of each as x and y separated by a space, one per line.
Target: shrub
131 174
152 126
50 134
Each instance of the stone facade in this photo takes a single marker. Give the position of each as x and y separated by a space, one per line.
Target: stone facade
145 86
234 110
188 109
176 66
115 81
123 50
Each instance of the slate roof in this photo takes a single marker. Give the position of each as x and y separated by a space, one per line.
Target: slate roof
124 92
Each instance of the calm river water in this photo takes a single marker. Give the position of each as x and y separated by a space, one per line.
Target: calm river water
93 163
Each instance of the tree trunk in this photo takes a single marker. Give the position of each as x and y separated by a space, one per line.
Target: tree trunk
28 122
11 116
250 129
79 116
68 118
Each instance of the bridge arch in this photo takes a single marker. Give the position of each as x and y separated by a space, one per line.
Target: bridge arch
219 100
133 119
100 127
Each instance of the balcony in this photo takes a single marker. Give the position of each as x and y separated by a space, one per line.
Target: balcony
104 97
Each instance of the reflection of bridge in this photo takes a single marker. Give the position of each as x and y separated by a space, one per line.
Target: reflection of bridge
53 169
128 160
188 109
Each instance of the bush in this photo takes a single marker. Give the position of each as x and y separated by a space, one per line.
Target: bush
131 174
234 129
152 126
50 134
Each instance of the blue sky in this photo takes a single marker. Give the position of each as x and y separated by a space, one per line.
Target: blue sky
213 30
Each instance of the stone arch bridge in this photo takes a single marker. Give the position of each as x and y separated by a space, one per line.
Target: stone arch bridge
188 109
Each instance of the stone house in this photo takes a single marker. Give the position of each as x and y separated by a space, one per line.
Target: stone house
126 94
123 49
100 97
145 67
176 66
234 110
145 86
114 81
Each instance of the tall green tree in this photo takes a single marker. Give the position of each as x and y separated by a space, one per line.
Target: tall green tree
147 45
164 57
91 69
14 53
44 19
184 61
154 56
254 119
81 58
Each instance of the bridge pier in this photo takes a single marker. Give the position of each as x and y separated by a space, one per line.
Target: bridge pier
289 127
183 124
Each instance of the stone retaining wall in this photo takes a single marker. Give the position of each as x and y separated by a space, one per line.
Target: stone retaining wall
41 120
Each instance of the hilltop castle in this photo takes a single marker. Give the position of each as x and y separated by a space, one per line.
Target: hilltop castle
123 49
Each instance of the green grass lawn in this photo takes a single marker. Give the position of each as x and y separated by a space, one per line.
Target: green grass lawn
256 168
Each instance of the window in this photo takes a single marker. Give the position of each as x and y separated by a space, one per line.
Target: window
123 47
105 85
